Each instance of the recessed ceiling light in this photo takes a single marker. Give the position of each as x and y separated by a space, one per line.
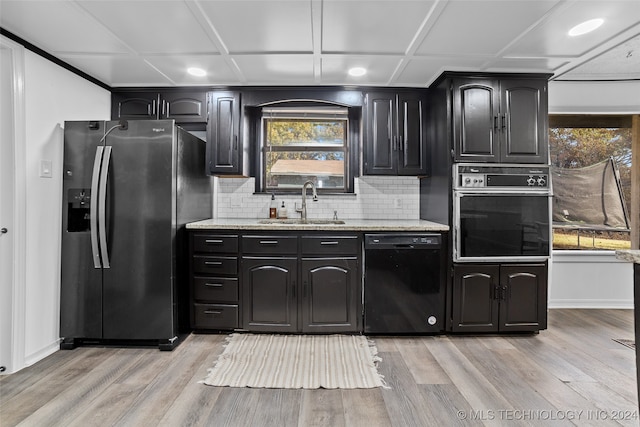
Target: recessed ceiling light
195 71
357 71
586 27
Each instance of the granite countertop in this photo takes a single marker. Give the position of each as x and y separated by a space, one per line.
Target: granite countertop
631 255
349 225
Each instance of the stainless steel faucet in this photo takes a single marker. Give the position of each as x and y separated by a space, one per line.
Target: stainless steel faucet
303 209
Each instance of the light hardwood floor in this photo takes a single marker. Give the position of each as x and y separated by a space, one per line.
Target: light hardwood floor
570 374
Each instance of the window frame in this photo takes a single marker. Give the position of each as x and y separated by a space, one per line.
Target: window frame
302 111
607 121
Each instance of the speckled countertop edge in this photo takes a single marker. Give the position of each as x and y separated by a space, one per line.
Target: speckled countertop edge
349 225
631 255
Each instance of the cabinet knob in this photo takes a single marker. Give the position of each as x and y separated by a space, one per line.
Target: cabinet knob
3 230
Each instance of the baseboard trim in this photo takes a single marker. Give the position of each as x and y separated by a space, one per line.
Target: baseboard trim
591 303
42 353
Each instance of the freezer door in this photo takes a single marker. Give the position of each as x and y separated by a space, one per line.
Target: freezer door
81 281
138 283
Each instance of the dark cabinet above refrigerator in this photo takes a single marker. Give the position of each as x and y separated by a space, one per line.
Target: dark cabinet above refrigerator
185 107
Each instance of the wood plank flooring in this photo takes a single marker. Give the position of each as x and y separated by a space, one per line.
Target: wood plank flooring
570 374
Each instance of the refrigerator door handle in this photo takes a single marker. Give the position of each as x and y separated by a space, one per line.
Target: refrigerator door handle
102 201
93 207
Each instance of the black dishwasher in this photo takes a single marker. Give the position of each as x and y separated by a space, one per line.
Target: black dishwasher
404 283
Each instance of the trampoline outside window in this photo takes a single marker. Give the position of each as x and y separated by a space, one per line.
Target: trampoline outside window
591 178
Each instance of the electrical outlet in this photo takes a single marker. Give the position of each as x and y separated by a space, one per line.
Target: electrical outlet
397 203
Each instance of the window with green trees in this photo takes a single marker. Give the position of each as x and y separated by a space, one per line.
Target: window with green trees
305 144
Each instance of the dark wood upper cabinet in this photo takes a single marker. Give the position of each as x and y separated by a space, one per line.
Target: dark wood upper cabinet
134 105
223 133
185 107
395 134
501 120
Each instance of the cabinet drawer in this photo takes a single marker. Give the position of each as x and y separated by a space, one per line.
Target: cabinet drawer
330 245
215 288
272 245
215 316
215 264
215 243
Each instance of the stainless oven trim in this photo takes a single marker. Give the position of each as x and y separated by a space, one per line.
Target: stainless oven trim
457 194
536 167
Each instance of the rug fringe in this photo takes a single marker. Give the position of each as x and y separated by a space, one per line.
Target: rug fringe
227 340
376 359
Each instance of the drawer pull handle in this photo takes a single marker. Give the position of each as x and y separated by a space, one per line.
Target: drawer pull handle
216 263
212 312
214 285
329 243
268 242
211 241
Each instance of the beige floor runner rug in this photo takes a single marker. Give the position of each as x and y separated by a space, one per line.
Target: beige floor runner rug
297 361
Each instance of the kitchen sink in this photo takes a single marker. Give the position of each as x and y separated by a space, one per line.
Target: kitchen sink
300 221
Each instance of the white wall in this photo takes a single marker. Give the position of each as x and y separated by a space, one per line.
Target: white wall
52 95
588 279
594 97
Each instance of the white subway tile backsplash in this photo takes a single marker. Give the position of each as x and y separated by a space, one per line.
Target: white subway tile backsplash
375 198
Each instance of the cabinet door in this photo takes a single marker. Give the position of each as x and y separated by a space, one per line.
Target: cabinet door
524 297
184 107
223 133
524 121
380 143
412 135
476 124
475 302
135 106
269 294
330 291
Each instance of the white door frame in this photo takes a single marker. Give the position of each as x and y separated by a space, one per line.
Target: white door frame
16 197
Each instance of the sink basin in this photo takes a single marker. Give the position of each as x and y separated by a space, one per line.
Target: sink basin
300 221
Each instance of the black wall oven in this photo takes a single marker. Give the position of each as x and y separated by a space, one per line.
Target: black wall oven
501 212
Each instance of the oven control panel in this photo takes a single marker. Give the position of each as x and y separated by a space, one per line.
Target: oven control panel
502 176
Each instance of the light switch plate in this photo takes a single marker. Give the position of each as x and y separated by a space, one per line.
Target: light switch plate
45 168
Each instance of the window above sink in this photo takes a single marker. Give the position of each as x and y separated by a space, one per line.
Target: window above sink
305 143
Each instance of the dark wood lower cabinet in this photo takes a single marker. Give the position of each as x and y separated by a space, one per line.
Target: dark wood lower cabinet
330 292
269 286
499 297
288 283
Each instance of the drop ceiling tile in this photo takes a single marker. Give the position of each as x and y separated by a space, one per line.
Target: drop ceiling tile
525 65
175 67
57 26
276 69
620 63
551 38
153 26
118 70
380 69
371 26
262 26
481 27
423 71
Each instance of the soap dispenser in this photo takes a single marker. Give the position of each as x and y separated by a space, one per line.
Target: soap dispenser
282 213
273 207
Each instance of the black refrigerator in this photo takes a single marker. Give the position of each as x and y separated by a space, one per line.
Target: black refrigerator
129 188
